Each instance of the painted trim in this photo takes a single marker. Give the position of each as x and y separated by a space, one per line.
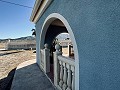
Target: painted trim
45 26
35 8
39 8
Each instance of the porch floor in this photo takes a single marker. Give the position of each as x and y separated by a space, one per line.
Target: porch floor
28 76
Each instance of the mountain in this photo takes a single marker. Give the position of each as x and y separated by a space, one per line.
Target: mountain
26 38
21 38
62 36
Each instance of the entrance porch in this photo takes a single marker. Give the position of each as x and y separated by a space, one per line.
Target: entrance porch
28 76
62 71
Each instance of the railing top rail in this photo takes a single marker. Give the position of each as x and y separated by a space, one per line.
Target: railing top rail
67 60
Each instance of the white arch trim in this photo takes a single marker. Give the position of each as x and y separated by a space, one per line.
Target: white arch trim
45 26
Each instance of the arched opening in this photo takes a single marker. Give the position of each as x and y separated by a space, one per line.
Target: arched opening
54 25
51 38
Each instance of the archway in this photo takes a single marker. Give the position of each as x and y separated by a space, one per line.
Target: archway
54 25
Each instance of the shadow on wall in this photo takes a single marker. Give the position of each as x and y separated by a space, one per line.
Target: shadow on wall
5 83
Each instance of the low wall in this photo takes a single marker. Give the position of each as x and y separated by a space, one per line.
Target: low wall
22 44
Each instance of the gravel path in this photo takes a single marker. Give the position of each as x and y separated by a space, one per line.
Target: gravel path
9 60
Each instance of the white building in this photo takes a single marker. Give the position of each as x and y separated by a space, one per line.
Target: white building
21 44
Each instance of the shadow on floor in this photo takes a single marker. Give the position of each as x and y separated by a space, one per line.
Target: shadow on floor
5 83
30 77
2 54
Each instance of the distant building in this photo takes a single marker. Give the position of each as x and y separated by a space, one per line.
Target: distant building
67 47
21 44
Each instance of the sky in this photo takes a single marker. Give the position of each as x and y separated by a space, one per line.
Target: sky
15 20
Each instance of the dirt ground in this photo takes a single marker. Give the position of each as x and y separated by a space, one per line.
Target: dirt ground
2 45
9 60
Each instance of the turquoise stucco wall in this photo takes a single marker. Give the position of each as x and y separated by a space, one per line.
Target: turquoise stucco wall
96 27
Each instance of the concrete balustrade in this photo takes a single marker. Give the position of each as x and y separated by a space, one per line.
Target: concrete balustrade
64 71
64 68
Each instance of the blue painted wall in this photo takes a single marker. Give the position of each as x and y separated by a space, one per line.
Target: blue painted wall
96 27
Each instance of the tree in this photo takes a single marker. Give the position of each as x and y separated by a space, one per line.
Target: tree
34 32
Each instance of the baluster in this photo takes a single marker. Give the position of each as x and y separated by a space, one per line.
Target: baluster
73 79
65 77
69 79
61 74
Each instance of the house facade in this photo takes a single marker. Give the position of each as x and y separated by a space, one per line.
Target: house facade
94 29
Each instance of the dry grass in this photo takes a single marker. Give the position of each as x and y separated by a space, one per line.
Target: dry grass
11 59
2 45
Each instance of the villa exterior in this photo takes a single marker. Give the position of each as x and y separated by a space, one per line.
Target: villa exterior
94 29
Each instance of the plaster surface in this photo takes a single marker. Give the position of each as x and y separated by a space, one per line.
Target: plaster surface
96 27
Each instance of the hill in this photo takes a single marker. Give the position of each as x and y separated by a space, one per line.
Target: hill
21 38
